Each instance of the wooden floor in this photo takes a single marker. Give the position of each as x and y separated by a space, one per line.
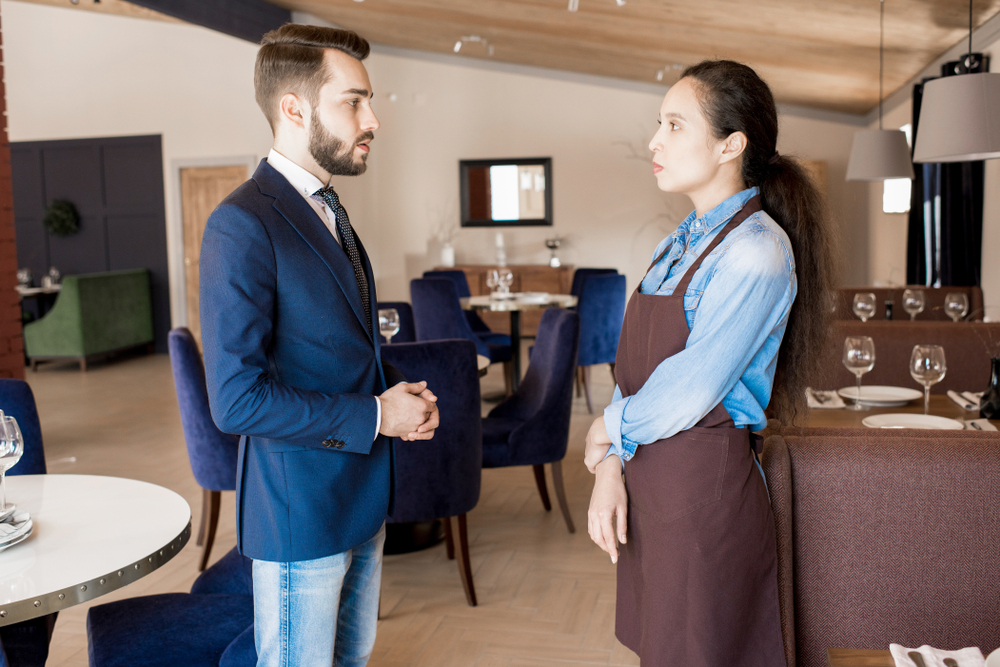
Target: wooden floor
546 597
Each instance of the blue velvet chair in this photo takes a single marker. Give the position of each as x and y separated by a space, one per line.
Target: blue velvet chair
439 316
196 629
531 427
25 643
211 452
440 479
602 310
479 327
581 274
407 332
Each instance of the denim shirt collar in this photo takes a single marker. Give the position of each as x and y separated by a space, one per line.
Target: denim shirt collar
719 215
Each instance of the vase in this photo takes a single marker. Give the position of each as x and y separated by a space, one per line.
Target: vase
989 406
447 255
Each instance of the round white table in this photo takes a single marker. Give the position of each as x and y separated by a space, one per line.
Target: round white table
92 535
517 302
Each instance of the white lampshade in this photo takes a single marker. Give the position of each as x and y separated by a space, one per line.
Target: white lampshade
877 155
959 119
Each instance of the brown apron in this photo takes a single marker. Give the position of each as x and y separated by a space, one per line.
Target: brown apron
697 578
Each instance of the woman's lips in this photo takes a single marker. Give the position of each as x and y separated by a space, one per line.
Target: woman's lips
657 168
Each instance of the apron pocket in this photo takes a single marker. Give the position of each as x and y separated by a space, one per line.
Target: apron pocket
671 478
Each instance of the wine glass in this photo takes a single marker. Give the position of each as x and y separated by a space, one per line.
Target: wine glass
927 366
864 305
506 278
956 304
914 302
11 448
388 323
492 280
859 358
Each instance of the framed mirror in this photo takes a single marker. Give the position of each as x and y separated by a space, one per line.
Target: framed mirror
506 192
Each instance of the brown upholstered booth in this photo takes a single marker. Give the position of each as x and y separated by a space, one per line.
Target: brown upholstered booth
933 310
886 536
967 350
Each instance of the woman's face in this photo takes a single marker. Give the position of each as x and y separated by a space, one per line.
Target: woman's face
686 155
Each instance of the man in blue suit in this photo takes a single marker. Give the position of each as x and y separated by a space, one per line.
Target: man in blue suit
293 364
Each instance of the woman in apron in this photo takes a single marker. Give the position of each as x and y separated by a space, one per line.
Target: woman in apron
677 483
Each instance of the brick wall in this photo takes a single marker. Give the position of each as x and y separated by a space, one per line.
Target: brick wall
11 340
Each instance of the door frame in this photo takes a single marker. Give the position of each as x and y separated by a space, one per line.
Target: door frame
175 227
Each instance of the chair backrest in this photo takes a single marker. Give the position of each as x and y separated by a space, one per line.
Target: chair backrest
17 401
933 308
212 453
544 399
886 536
437 313
407 331
967 351
454 275
602 309
581 274
441 477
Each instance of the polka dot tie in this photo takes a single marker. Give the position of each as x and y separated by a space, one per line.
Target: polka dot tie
350 246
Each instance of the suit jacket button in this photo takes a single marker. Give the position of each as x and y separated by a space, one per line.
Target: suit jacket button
339 444
328 443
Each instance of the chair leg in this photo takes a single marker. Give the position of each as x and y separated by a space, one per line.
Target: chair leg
212 499
543 491
612 364
83 364
449 540
586 388
557 482
577 382
205 505
464 567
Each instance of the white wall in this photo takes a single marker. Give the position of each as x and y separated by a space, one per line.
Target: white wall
118 76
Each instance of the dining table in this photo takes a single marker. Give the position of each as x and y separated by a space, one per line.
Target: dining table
515 303
940 405
91 535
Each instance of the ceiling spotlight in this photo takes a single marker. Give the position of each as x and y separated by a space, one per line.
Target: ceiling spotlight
475 39
458 46
573 5
620 3
667 68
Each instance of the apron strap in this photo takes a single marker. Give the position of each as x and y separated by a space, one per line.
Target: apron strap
751 207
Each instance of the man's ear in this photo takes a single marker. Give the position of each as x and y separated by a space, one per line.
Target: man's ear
293 109
733 147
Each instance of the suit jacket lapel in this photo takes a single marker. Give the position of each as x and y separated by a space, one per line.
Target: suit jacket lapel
313 231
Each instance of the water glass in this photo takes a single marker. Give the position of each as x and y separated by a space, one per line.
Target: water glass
505 277
927 366
859 358
956 304
11 448
864 305
388 323
914 302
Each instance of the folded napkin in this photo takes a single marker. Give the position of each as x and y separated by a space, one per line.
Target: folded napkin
963 400
979 425
935 657
13 524
827 400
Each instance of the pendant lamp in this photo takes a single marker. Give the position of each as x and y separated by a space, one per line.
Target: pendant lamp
960 116
877 155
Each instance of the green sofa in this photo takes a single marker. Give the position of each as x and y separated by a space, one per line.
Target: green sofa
95 314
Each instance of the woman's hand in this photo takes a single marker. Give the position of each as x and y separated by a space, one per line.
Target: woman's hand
608 502
598 444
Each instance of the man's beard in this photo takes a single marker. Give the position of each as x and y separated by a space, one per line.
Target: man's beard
331 152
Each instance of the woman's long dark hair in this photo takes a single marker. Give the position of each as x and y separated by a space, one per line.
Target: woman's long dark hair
735 99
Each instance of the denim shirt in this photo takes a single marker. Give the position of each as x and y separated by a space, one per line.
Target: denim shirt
736 306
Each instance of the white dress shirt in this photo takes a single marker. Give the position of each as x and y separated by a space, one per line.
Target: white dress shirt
306 185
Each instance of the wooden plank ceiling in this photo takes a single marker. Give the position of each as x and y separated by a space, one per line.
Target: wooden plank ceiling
815 53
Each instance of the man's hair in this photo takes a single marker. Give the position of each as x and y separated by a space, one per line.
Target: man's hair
290 60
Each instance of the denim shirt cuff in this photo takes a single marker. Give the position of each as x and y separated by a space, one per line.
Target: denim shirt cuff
621 446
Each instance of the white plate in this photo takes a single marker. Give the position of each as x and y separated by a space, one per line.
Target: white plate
906 420
993 659
25 535
880 396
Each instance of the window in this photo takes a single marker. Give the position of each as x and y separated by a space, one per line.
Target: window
896 191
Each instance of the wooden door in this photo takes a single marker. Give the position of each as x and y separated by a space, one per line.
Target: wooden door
202 189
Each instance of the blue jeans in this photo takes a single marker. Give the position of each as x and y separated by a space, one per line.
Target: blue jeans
318 613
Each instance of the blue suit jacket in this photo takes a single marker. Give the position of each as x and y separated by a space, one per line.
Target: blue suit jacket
291 367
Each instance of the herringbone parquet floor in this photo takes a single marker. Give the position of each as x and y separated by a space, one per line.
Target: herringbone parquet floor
546 597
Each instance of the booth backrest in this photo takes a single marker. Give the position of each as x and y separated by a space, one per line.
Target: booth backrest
968 347
933 308
95 313
886 536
